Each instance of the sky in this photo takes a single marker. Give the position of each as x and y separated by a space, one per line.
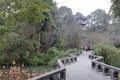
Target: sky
85 6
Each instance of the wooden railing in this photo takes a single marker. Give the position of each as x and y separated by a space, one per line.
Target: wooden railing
108 70
60 72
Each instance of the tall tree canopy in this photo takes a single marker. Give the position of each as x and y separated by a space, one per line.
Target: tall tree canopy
31 11
116 8
26 26
66 15
98 20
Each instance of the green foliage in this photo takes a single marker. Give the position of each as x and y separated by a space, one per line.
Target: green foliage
116 8
72 51
53 62
43 58
49 57
109 52
3 59
62 54
20 41
114 32
104 49
34 60
28 27
53 52
114 59
2 21
6 59
15 43
30 11
99 20
5 29
66 14
13 46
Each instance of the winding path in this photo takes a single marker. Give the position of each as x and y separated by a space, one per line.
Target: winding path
81 70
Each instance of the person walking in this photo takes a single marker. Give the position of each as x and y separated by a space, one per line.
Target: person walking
86 47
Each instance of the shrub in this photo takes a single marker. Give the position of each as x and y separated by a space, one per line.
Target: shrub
53 62
104 50
52 52
109 52
38 59
113 59
72 51
34 61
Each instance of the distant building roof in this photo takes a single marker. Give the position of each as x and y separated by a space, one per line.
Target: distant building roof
78 15
80 19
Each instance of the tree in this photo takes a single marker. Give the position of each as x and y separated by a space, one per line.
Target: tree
30 11
73 37
70 34
66 15
115 8
25 13
96 37
114 31
98 20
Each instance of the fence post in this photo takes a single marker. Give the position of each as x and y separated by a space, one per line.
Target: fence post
51 78
113 75
93 65
63 75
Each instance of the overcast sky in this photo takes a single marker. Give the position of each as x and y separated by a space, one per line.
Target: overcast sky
85 6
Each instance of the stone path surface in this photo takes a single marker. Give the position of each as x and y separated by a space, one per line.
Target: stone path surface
81 70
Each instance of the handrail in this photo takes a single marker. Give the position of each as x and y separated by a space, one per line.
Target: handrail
48 75
108 66
97 63
61 70
60 64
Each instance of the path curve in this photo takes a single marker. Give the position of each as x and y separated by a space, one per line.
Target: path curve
81 70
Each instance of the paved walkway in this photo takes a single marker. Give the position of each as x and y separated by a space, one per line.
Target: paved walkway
81 70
